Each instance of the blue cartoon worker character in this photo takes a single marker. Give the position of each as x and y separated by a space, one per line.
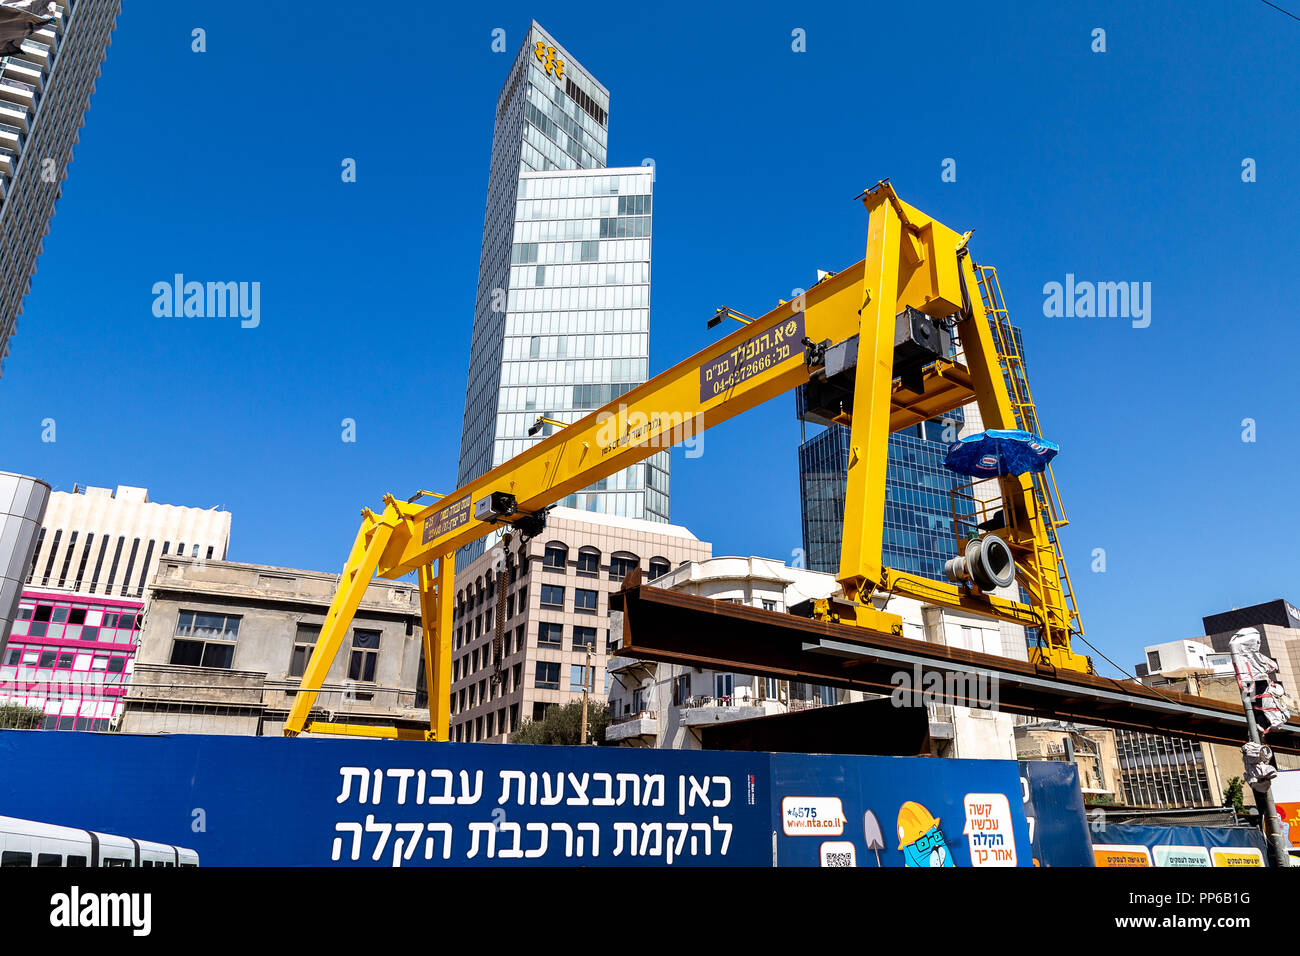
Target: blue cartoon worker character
920 838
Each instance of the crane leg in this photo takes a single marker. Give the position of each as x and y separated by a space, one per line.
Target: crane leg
436 605
360 568
864 498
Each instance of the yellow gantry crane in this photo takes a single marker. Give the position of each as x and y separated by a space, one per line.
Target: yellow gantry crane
871 343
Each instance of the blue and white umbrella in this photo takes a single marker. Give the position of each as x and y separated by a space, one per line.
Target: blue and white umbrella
1009 451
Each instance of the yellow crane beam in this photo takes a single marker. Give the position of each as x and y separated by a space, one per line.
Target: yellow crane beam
911 261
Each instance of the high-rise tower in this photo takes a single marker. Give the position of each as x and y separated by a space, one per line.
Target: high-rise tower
45 84
562 315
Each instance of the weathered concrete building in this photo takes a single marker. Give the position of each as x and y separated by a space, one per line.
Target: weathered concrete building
224 646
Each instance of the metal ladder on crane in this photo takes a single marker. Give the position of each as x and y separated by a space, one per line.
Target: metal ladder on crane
1046 493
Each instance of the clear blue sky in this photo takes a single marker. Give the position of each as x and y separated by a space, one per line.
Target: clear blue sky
1117 166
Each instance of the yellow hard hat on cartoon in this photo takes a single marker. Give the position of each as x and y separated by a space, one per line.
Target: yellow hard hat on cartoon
914 822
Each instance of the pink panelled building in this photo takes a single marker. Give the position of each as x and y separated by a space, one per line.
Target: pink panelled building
71 655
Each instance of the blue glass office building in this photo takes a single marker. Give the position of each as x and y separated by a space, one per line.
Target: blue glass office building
918 534
918 513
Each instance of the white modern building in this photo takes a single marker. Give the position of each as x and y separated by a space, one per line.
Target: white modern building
661 705
1181 658
109 542
45 85
562 315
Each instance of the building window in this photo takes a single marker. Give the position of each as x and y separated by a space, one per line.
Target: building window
659 567
681 689
724 686
769 605
584 601
828 696
205 640
365 652
548 675
555 557
588 563
621 564
550 633
552 596
304 642
578 678
54 550
584 637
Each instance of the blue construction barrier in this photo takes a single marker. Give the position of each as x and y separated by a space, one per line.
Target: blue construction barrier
257 801
1053 801
897 811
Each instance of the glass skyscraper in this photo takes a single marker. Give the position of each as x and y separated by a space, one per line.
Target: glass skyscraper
918 512
45 84
562 315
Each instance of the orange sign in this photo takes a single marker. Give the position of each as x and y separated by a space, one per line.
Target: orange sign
1118 855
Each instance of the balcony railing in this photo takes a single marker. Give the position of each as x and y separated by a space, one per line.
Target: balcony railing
741 700
635 715
22 67
813 704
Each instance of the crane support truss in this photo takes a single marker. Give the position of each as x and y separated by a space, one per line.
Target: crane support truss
691 631
912 261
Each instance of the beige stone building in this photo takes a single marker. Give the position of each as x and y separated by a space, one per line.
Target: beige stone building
556 608
1220 762
1149 770
1092 749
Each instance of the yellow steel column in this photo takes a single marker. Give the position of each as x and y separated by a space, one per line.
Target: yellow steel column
429 635
440 669
434 591
357 572
864 493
